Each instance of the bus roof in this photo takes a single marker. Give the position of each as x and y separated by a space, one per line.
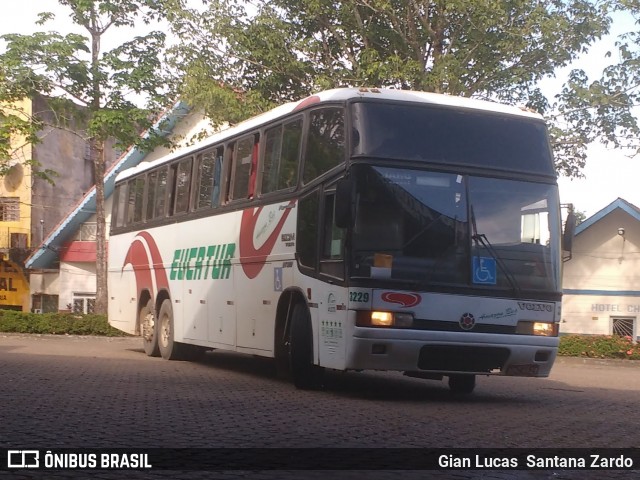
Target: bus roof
337 95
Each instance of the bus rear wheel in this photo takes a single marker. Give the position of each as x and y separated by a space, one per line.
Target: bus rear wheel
169 348
149 329
305 374
462 384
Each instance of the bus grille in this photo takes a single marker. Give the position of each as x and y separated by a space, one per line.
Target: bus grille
443 326
462 359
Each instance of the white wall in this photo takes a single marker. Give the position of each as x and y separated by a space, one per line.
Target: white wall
75 277
602 280
46 283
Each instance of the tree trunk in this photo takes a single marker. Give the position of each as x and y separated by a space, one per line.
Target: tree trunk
101 229
98 152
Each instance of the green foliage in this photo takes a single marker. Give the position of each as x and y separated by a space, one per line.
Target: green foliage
580 216
93 93
599 346
102 86
57 324
242 57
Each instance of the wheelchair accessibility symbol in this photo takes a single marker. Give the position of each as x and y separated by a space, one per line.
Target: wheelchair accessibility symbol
484 270
277 279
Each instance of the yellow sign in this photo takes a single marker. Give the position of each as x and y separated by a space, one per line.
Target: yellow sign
14 288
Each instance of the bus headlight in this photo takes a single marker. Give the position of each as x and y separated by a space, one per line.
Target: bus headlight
544 329
383 319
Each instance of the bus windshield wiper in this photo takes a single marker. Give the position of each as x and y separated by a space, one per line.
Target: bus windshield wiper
484 241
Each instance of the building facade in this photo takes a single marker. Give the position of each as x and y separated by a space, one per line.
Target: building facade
601 281
64 265
30 204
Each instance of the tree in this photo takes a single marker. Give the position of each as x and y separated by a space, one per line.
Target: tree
493 49
94 87
604 109
580 216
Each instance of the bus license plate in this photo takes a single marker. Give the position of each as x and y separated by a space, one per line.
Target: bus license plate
528 370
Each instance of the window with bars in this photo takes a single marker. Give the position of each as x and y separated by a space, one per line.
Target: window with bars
9 209
623 327
84 303
87 232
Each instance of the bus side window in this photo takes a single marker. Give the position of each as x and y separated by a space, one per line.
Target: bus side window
134 207
161 193
120 204
139 205
227 171
217 176
333 238
206 166
307 232
244 164
282 150
271 159
290 158
152 182
182 184
254 168
325 142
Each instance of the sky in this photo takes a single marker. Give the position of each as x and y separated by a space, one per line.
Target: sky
609 173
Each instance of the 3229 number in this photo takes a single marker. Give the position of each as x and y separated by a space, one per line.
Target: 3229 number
359 297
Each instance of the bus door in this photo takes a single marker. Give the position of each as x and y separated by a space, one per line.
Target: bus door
333 298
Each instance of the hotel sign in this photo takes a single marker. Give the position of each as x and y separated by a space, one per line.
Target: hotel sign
615 308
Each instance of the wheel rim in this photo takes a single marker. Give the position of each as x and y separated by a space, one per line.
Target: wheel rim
165 330
147 327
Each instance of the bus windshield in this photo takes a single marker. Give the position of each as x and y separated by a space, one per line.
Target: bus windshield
432 228
451 136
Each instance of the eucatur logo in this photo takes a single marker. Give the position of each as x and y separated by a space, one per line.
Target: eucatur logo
402 299
254 259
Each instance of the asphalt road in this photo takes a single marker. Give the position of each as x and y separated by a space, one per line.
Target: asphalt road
88 392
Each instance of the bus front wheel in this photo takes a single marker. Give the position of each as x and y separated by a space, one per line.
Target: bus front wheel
462 384
149 329
305 374
169 349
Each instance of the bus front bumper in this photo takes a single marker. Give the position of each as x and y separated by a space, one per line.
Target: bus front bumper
451 352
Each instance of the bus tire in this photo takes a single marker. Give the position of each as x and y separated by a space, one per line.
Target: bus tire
462 384
169 348
305 374
149 329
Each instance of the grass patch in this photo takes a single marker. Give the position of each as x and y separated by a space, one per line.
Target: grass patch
57 324
599 346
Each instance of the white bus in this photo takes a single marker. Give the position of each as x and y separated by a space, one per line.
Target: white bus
357 229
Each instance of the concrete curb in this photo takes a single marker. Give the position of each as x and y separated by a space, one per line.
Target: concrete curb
620 362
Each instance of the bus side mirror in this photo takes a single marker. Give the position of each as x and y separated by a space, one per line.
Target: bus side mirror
344 203
569 232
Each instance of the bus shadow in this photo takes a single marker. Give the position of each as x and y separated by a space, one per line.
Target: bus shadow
256 366
380 386
395 387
